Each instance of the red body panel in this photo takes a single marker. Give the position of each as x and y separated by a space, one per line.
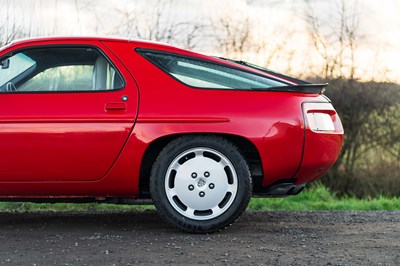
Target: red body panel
69 145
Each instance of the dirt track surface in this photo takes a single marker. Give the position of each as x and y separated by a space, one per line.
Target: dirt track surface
257 238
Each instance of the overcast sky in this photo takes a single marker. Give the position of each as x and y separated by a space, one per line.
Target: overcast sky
379 21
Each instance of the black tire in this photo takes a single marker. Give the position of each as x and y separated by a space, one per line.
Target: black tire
187 208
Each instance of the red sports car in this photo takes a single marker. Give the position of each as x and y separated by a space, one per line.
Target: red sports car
119 121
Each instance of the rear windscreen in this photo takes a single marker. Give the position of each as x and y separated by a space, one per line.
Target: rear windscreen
206 74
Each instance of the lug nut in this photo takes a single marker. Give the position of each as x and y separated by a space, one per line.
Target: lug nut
211 186
206 174
191 187
202 194
194 175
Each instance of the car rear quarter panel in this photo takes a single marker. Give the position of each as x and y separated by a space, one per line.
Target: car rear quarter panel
272 121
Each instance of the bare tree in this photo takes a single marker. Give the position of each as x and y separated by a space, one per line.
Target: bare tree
157 24
14 26
336 42
9 28
233 36
245 37
193 35
275 47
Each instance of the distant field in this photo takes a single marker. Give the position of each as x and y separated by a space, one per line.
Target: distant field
314 198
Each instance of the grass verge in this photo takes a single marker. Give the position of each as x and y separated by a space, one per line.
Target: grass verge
316 197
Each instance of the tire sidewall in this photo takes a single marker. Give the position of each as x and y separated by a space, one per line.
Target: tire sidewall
174 149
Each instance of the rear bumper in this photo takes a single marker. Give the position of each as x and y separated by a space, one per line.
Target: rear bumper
322 141
320 153
321 147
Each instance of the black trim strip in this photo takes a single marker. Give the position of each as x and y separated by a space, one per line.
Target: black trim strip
303 87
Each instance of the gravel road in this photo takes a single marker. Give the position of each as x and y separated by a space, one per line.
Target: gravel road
257 238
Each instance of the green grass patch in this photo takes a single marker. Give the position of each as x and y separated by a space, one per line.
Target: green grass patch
317 197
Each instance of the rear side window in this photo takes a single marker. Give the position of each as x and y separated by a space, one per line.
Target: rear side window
205 74
60 69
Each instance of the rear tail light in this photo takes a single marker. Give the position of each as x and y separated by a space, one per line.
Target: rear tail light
320 122
322 117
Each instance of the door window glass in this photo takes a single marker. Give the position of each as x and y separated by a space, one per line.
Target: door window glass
58 69
15 66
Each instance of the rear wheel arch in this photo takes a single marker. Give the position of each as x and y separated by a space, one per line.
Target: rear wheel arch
200 183
245 146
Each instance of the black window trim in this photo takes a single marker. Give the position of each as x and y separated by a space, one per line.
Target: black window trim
141 51
97 48
293 88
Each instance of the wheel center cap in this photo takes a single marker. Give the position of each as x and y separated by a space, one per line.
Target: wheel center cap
201 183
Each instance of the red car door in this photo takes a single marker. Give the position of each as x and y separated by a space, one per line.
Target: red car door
66 111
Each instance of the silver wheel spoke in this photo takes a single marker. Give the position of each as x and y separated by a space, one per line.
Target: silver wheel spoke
224 163
231 188
216 210
189 212
175 165
171 193
198 153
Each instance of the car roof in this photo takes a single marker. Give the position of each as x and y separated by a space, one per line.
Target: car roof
137 42
89 38
66 38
